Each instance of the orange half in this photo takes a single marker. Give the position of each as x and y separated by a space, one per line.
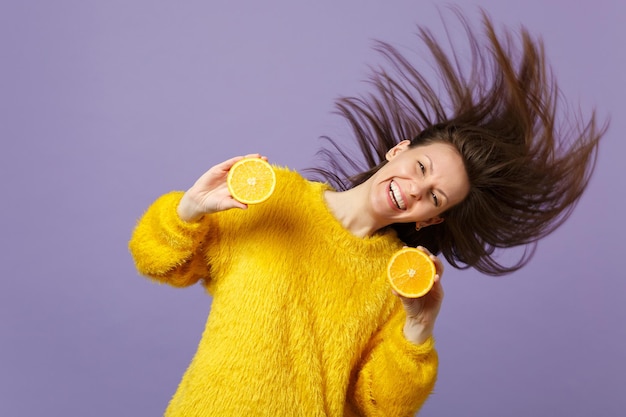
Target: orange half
411 272
251 180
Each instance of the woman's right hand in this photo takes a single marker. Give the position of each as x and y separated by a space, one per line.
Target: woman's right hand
210 192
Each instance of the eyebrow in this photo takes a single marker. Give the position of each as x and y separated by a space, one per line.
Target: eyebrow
430 167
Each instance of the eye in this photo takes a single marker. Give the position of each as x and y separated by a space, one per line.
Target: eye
435 199
421 167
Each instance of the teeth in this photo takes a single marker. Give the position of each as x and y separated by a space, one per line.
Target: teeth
394 192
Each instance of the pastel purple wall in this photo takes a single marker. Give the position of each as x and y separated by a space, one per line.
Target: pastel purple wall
105 105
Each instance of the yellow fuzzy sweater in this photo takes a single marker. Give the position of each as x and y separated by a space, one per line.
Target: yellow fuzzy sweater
302 323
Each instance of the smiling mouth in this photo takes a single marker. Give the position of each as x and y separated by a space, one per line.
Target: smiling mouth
396 196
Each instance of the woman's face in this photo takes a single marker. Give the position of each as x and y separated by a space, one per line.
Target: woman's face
418 184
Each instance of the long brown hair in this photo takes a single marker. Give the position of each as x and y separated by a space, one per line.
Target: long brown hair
527 161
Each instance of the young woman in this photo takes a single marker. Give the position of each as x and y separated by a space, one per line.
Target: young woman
303 321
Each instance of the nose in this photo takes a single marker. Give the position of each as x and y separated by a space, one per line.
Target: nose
416 189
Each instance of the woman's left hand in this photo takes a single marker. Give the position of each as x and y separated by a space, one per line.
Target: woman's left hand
421 313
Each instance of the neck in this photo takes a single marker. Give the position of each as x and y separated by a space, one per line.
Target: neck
348 209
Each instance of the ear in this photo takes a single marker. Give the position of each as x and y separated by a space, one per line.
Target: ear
391 153
431 221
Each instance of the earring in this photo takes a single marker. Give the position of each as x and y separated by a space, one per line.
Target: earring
417 227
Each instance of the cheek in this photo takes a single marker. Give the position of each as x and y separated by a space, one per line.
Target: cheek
379 195
424 211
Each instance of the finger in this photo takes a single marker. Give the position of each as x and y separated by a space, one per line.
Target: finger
434 258
423 249
227 165
219 170
223 167
238 204
253 155
230 203
438 264
436 292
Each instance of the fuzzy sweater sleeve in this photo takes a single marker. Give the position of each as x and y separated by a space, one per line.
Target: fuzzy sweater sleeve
166 248
396 377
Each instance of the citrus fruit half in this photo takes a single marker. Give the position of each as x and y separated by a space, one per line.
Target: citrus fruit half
411 272
251 180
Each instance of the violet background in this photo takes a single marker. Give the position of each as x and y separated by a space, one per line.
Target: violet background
104 105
